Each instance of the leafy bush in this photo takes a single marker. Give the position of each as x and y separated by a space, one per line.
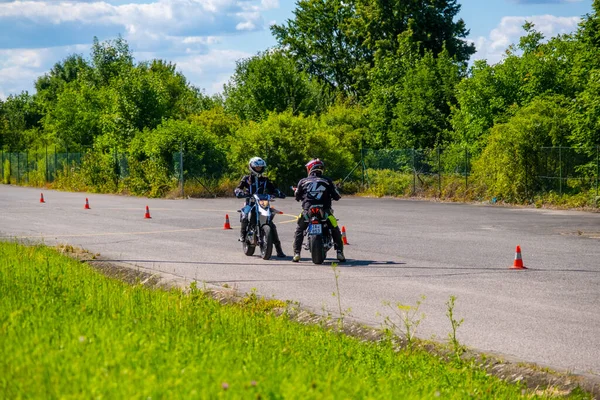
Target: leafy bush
100 172
385 182
204 152
149 178
510 160
70 178
287 142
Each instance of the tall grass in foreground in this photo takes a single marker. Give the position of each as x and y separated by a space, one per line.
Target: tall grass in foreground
67 331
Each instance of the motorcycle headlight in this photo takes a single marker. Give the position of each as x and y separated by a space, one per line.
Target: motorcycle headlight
263 203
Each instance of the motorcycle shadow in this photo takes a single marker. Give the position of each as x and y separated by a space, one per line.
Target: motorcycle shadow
368 263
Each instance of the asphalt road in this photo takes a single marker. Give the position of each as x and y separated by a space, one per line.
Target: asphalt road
399 251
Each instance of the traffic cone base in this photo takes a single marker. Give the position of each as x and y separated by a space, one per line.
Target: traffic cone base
226 225
344 239
42 198
147 215
87 204
518 263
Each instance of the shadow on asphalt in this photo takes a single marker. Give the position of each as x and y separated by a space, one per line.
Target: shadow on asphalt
272 261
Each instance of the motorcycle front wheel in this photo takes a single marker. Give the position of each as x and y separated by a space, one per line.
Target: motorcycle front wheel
317 251
266 247
248 247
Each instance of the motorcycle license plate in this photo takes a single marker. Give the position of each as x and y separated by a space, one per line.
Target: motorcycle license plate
315 229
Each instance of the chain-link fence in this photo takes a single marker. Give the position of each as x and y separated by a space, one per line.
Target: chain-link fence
561 170
45 165
564 169
37 166
412 171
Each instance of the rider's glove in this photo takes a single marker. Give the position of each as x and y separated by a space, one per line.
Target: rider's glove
239 193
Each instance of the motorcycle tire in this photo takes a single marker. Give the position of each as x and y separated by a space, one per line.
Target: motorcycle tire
266 248
317 251
248 248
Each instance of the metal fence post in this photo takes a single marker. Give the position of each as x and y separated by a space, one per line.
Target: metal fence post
597 171
362 160
46 164
526 175
466 171
560 169
55 163
2 160
181 169
68 166
439 174
414 174
18 166
116 171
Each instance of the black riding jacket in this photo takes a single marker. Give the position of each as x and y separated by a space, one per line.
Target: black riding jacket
260 185
316 190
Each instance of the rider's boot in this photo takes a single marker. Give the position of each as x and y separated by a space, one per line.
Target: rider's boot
296 257
340 256
280 253
243 231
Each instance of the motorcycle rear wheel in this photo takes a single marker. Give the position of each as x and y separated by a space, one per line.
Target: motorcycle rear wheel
317 251
266 248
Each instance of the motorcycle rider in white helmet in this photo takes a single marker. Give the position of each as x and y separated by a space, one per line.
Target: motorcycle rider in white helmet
257 183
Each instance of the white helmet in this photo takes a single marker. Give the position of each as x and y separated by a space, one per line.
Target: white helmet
257 166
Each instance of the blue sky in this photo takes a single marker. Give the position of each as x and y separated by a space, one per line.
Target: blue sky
206 37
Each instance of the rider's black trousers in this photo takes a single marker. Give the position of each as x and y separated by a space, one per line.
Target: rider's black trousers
338 244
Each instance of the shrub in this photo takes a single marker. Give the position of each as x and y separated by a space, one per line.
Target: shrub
149 177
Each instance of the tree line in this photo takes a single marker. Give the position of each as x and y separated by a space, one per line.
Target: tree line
346 75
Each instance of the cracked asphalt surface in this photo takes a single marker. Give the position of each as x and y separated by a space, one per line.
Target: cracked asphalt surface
399 250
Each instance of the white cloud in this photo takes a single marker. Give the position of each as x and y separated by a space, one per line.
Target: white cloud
76 22
19 68
493 47
34 35
212 70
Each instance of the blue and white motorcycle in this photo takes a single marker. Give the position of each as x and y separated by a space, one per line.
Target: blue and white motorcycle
260 216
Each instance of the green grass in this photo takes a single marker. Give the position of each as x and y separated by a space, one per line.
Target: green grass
66 331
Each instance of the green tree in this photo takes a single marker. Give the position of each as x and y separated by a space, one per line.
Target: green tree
432 23
74 120
493 94
585 115
338 41
110 59
318 38
270 82
49 85
20 121
411 96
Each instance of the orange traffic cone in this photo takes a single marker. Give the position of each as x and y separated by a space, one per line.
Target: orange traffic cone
344 240
518 263
42 198
147 215
87 204
226 224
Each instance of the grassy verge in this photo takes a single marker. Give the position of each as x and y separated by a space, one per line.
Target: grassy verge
67 331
